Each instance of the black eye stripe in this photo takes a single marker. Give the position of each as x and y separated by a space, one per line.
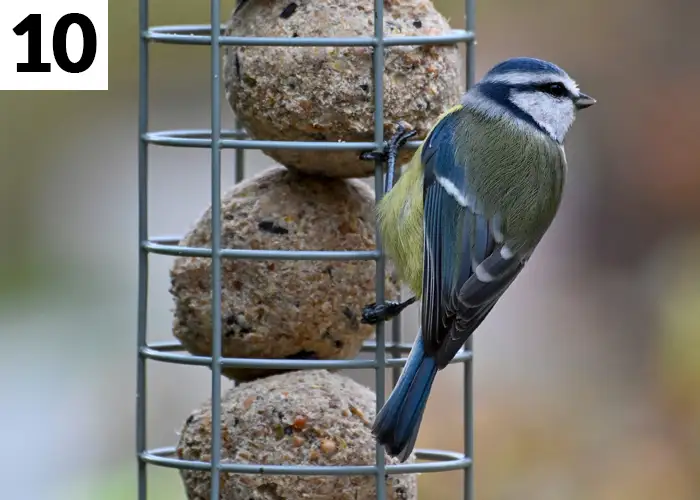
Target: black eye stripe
555 89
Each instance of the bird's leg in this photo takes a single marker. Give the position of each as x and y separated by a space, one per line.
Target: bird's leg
391 151
376 313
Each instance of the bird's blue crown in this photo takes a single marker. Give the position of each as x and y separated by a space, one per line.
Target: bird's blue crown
525 65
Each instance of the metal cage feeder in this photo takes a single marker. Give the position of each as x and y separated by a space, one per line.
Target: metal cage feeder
216 140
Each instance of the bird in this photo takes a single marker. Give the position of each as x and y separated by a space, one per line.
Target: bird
466 215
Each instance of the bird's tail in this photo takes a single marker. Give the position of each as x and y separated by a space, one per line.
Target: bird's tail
397 423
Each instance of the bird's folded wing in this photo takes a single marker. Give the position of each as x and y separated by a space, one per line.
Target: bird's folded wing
465 268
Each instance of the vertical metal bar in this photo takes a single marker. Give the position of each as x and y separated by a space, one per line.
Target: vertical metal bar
380 353
469 21
216 248
239 161
142 307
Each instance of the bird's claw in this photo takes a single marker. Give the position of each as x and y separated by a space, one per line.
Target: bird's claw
373 156
397 141
376 313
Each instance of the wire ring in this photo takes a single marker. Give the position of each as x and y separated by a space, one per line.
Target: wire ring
440 461
167 352
151 246
200 34
231 139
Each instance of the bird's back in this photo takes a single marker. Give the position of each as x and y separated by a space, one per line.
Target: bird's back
515 171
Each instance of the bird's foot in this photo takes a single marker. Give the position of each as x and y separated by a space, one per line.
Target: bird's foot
376 313
390 153
391 148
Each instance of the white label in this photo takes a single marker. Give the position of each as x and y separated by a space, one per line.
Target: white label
53 45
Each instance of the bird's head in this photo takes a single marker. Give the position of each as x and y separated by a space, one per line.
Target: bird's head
534 91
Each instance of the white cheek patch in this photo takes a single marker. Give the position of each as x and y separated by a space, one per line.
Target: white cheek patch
552 114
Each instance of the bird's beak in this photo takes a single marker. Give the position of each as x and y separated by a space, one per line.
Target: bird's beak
584 101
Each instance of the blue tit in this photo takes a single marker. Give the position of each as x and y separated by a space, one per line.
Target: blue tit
466 215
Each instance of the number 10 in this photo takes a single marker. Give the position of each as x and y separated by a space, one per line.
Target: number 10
31 25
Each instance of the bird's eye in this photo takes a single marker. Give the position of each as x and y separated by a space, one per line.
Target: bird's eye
556 89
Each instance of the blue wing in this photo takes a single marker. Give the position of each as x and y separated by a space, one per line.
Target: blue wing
465 270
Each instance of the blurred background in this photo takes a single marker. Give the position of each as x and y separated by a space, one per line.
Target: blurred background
587 373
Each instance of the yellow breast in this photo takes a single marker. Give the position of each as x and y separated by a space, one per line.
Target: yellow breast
400 214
